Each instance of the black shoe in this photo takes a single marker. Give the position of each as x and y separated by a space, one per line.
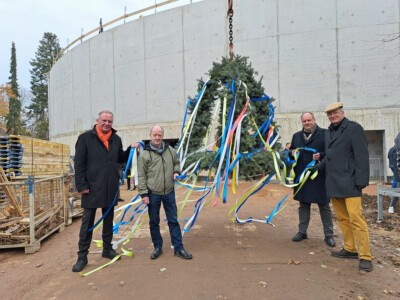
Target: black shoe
345 254
330 241
183 254
365 265
80 264
111 254
299 237
156 253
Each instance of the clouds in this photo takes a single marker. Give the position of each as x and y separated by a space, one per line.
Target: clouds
25 22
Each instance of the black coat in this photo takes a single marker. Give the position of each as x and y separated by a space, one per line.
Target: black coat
392 156
347 161
97 169
313 191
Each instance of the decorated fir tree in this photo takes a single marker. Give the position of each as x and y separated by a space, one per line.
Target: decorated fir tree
227 80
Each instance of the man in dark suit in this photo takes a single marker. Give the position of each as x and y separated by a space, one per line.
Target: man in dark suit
347 172
313 191
98 153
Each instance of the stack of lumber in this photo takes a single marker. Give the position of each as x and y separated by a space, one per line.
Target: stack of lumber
26 156
42 158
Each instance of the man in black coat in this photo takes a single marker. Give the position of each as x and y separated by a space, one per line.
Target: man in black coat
347 172
393 156
313 191
98 153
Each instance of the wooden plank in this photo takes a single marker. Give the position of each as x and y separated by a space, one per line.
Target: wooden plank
9 192
17 237
46 224
8 224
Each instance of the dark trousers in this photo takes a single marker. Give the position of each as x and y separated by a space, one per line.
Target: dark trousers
326 217
170 209
85 236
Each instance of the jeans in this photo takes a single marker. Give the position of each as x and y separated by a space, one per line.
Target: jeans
394 199
170 209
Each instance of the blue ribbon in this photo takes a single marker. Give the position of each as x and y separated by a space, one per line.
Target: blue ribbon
250 219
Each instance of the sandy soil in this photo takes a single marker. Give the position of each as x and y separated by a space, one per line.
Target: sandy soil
231 261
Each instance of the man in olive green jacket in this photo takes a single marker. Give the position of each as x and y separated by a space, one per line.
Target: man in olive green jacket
158 168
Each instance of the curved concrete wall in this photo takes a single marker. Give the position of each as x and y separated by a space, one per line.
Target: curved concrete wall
309 52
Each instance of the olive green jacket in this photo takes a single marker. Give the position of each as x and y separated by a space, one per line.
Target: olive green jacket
156 171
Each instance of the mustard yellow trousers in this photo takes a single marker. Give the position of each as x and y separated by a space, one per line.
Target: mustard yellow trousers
353 225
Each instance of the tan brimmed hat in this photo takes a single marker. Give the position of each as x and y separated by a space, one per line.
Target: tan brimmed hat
333 106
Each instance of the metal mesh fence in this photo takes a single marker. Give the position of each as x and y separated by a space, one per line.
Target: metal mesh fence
39 204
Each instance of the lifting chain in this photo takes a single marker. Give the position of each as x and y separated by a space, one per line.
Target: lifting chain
230 18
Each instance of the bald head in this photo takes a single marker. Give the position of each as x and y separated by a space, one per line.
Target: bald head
156 126
156 135
308 121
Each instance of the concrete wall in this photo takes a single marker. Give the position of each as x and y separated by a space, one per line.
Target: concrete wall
309 52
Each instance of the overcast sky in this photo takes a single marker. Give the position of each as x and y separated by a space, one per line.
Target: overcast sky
25 21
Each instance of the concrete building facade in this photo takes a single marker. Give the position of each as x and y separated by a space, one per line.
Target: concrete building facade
310 53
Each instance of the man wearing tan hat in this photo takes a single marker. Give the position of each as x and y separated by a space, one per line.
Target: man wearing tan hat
346 165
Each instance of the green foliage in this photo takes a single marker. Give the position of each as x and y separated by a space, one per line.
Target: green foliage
46 55
221 76
13 72
13 119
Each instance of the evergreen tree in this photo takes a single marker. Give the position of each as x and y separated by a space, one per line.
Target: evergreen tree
13 118
46 55
221 76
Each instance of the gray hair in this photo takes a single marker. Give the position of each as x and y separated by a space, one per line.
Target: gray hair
307 112
154 126
106 112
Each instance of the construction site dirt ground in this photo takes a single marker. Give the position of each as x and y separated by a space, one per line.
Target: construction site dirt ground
230 261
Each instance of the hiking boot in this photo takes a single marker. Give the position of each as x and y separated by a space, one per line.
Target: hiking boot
80 264
365 265
342 253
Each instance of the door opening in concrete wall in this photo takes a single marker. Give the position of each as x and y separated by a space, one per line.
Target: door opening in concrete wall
376 155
